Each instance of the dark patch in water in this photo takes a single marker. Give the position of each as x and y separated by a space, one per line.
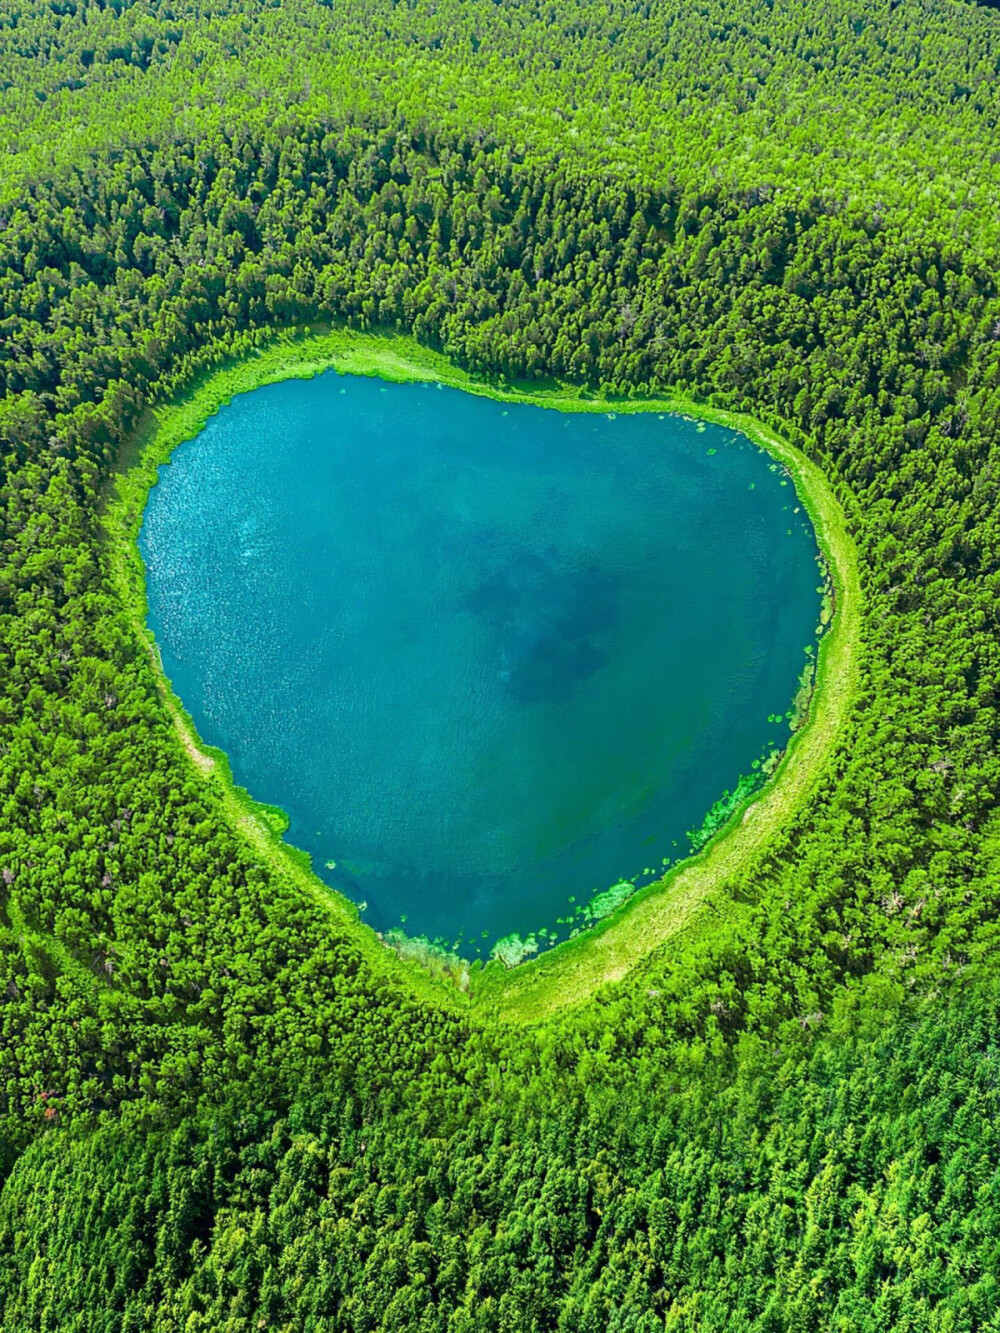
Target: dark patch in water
548 619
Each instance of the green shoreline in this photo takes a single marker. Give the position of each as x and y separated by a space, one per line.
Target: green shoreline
568 974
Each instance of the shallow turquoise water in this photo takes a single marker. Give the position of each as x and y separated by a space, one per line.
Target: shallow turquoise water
489 659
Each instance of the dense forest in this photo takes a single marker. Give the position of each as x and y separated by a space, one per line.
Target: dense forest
223 1106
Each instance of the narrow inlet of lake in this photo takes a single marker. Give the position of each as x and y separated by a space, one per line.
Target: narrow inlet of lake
491 659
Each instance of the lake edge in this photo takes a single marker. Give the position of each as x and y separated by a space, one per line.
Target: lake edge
398 358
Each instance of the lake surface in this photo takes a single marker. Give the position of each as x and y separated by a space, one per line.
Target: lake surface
491 659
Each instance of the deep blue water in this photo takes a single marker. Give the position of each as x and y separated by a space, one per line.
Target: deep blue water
490 659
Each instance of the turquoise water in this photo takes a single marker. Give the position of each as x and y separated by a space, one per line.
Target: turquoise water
490 659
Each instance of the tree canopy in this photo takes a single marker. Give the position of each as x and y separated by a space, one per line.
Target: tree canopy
222 1107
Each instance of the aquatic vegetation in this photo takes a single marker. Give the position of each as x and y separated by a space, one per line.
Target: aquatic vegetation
726 806
603 904
512 949
803 696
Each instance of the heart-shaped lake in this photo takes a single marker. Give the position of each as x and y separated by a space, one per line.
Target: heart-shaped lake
491 659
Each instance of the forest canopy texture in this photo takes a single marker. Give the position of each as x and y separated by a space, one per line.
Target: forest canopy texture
222 1108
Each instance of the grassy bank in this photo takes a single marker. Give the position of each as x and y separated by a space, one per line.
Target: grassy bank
571 972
